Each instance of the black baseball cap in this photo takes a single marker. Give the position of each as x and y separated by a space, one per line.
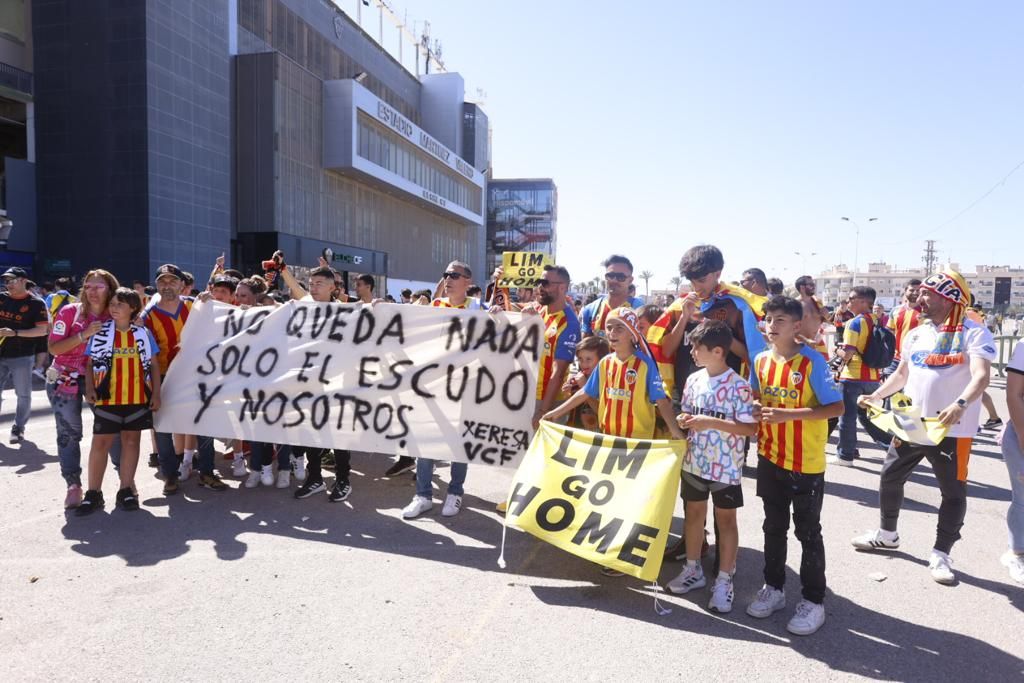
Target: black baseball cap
169 269
14 271
225 281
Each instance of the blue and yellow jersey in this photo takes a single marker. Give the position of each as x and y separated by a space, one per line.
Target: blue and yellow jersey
856 335
803 381
595 314
561 332
626 391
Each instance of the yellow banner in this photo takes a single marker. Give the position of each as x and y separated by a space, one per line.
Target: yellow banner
603 498
904 421
522 268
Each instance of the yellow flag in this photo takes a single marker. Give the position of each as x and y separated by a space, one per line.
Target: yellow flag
904 421
603 498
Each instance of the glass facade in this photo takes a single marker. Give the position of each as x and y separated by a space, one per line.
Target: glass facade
392 152
521 216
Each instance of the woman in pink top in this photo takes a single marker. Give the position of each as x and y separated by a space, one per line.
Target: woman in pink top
72 327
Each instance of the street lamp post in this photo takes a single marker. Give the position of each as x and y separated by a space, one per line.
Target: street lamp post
856 244
804 255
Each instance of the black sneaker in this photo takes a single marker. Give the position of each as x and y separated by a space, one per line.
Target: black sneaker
677 553
170 486
210 480
404 464
154 460
17 434
91 502
127 500
310 487
340 491
994 423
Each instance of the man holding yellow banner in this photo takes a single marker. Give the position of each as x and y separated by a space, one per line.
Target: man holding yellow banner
944 369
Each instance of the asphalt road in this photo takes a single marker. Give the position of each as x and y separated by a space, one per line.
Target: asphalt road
249 584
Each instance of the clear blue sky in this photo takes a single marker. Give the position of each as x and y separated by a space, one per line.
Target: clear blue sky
754 125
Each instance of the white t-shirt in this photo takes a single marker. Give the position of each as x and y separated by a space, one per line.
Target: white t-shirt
935 388
1016 363
713 454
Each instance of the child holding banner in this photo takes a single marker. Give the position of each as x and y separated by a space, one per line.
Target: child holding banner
589 353
796 397
627 387
718 414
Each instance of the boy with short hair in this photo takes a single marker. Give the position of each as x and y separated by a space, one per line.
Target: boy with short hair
718 414
796 395
589 352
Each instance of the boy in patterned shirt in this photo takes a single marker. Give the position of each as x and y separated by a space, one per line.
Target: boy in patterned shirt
796 395
718 414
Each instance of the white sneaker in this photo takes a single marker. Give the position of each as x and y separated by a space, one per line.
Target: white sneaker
941 567
721 595
691 578
238 468
300 468
768 601
184 470
879 539
808 618
417 507
267 475
452 505
253 481
836 460
1015 563
284 479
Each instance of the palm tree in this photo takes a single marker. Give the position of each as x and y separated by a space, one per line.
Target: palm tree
646 276
676 283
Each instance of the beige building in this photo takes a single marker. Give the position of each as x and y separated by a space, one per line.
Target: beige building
994 287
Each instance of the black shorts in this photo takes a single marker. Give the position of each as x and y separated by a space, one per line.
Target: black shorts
117 419
724 496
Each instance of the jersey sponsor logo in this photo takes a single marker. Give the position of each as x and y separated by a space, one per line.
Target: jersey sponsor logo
612 392
59 327
782 392
917 358
988 348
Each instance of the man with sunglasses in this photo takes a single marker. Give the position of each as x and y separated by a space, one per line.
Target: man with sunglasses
23 321
618 277
855 377
754 280
456 279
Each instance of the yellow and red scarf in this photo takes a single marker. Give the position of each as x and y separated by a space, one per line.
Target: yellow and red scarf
949 345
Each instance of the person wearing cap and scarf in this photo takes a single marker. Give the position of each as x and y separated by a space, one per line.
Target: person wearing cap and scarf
626 384
944 369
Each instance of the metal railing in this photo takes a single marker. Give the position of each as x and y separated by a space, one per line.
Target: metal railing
16 79
1005 342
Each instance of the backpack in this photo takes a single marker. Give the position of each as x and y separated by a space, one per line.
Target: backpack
881 348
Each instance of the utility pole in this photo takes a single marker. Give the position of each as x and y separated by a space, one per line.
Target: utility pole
929 257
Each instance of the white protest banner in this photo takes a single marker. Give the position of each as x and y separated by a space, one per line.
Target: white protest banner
404 380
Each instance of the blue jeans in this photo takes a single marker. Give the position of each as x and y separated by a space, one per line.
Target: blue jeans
425 474
67 411
848 420
1013 456
20 372
169 459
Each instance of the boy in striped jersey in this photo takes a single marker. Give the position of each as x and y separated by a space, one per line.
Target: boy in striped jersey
796 396
626 385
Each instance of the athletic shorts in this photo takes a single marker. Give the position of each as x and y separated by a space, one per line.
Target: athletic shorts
117 419
724 496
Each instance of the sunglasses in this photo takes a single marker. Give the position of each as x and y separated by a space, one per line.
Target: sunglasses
544 282
452 275
95 286
619 277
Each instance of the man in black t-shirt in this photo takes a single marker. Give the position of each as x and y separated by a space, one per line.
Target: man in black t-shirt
23 320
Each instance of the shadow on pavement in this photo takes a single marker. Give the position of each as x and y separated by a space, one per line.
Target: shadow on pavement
26 457
854 639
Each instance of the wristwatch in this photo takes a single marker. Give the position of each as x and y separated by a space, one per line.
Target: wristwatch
962 403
